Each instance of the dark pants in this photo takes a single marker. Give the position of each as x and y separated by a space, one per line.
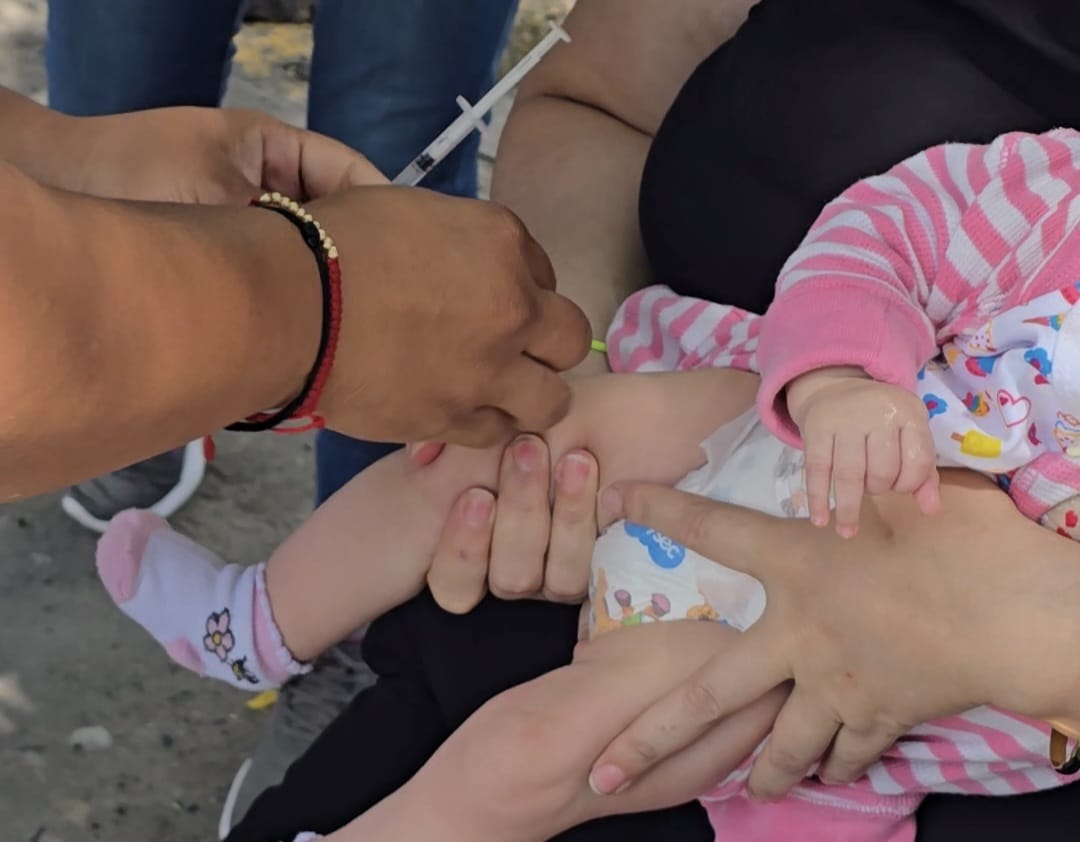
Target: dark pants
807 98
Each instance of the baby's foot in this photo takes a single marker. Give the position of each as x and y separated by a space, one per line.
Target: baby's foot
211 617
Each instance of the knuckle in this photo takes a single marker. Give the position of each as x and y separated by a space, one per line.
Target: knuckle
701 702
643 752
785 760
848 475
514 584
566 587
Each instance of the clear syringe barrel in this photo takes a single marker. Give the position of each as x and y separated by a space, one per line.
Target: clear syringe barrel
472 116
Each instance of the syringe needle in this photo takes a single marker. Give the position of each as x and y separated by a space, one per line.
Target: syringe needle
472 116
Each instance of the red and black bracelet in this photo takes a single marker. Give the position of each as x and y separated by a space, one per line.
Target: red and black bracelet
303 407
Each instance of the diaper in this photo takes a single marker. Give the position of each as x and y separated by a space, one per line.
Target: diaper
640 576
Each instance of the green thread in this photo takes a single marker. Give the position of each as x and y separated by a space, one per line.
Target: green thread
599 346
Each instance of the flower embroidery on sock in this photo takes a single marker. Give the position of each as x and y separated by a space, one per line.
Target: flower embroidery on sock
219 639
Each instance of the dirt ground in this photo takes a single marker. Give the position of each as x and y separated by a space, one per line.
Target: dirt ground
68 658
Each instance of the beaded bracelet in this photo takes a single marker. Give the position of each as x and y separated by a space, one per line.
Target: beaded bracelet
303 406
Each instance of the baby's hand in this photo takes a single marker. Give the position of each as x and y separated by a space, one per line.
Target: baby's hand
861 434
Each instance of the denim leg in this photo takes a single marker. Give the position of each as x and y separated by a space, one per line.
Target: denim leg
384 79
106 56
339 458
385 76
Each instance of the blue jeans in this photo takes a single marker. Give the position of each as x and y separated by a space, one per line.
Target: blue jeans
384 78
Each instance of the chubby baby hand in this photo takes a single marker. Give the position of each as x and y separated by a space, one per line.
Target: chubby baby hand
859 435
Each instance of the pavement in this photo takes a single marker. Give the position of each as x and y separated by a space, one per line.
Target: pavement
163 745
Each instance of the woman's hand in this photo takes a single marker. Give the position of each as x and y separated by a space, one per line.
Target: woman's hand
532 548
914 619
208 156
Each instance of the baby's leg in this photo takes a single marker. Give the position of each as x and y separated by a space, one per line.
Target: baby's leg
369 546
361 553
211 617
528 751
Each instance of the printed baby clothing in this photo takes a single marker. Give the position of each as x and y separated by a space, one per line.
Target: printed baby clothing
954 275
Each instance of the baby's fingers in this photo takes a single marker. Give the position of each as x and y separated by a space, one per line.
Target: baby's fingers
918 458
882 460
819 465
849 481
928 495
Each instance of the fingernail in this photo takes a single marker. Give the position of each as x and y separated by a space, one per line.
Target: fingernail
611 501
573 473
608 780
527 456
479 508
846 531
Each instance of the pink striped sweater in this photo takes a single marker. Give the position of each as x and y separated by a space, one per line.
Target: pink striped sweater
894 268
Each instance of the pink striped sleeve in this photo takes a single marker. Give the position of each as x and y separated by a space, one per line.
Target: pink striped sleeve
855 291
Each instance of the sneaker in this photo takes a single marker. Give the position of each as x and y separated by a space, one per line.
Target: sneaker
304 709
162 484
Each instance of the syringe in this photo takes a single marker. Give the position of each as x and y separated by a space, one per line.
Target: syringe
472 116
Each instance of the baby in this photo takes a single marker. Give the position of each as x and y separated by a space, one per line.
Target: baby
961 247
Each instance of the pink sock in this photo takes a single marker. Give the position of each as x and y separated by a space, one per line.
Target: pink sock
212 618
877 819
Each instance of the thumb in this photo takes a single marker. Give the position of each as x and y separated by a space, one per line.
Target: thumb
742 539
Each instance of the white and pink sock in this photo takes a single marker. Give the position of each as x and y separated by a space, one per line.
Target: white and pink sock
212 618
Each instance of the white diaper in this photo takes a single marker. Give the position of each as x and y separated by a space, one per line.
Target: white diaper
640 576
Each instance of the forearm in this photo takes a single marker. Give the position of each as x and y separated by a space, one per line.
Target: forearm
46 145
529 750
129 329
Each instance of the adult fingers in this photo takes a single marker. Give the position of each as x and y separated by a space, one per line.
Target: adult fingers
534 395
319 164
746 671
561 334
801 734
573 528
423 453
522 520
481 427
852 753
818 468
742 539
849 481
459 569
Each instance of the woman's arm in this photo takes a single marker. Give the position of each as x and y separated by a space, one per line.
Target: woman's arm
526 753
914 619
128 329
572 152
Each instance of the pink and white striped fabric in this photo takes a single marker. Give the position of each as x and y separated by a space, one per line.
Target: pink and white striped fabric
894 268
982 752
902 263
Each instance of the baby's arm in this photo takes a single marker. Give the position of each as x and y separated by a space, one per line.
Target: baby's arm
528 751
368 548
